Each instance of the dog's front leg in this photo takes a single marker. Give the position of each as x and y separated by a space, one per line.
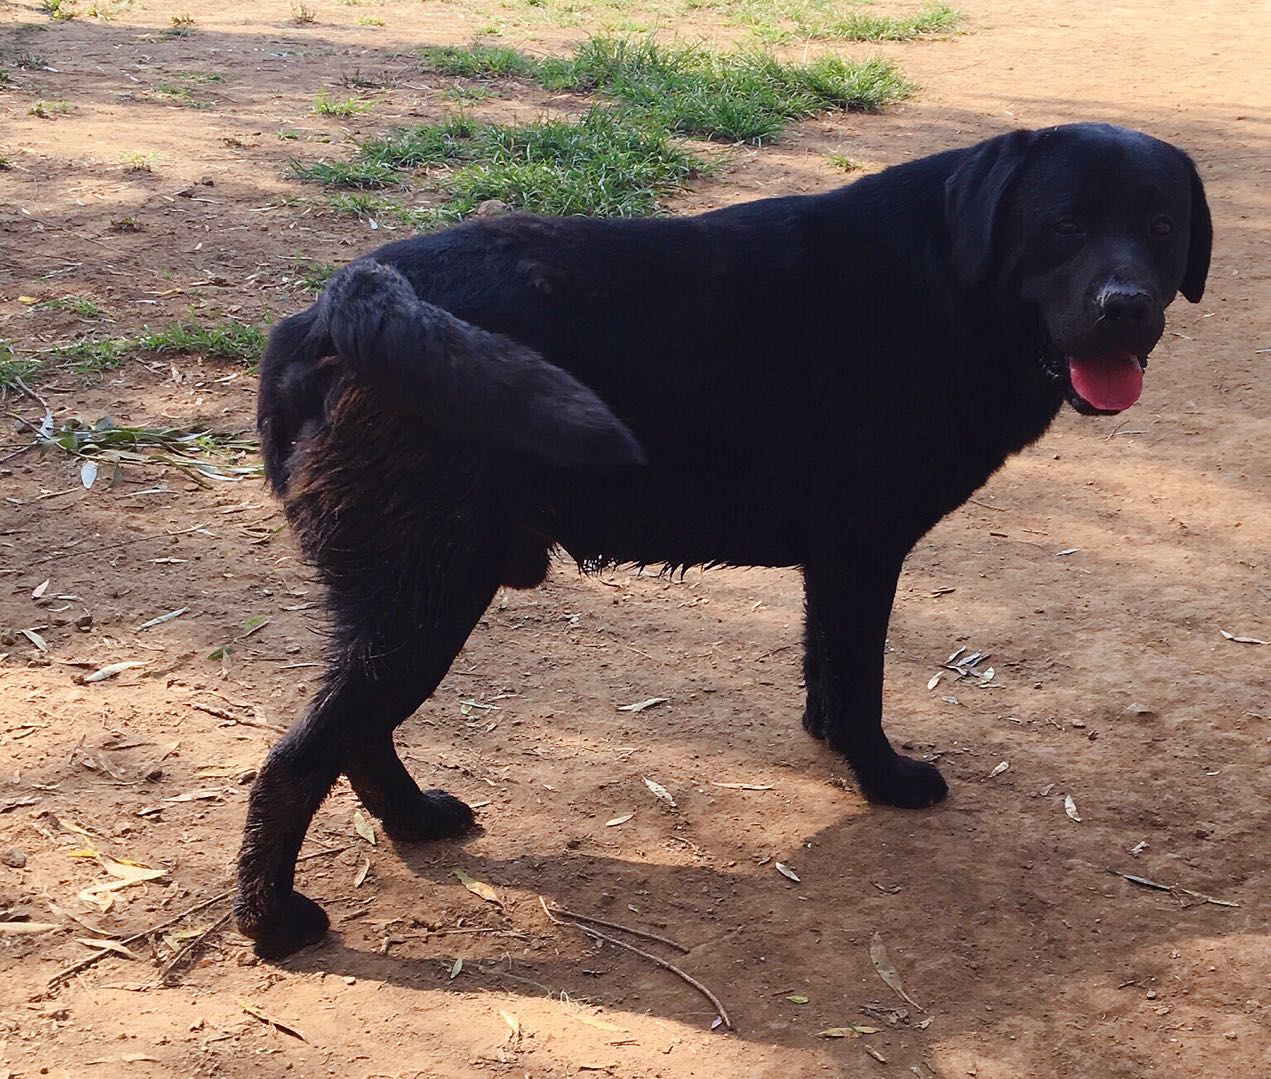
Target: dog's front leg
849 602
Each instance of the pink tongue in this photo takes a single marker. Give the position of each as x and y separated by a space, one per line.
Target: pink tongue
1111 382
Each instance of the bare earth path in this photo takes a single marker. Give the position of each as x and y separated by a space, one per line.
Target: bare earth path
1099 570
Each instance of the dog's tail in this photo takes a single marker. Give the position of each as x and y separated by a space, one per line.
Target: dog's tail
423 358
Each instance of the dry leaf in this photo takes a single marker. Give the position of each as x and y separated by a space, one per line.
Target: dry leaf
107 946
110 670
599 1024
15 929
126 874
1068 550
195 796
1070 807
786 871
1229 636
40 588
745 786
797 998
838 1032
36 639
875 1054
163 618
479 888
511 1021
361 873
88 474
619 820
882 964
935 681
455 968
585 1066
640 706
269 1020
659 791
999 769
363 827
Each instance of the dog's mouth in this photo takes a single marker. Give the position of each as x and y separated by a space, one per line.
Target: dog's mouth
1100 385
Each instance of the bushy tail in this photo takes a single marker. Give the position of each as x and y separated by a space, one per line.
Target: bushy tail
420 357
419 354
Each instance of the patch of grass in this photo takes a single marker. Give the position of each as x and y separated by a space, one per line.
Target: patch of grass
747 95
181 25
201 76
369 20
227 340
302 13
5 164
178 94
93 355
364 175
137 161
15 368
311 274
49 110
604 164
59 9
326 105
842 161
287 133
76 305
934 20
4 78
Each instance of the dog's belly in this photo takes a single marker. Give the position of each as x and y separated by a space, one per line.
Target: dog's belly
677 523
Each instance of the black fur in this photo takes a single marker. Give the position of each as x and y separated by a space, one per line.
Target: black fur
809 381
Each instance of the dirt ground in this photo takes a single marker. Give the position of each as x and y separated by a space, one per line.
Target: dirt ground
1098 570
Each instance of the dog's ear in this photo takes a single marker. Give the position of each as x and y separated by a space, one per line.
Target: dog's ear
973 198
1200 241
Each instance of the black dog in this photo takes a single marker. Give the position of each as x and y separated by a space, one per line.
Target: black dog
810 381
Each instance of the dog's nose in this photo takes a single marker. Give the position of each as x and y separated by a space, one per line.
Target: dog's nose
1126 305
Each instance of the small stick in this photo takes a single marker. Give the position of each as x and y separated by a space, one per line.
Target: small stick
188 951
84 964
598 935
625 928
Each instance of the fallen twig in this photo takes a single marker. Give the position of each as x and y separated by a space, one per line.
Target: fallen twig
1176 889
616 925
187 952
84 964
596 934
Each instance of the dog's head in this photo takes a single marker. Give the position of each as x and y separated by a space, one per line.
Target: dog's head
1094 229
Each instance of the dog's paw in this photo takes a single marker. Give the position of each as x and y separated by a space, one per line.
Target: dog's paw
903 782
284 928
437 815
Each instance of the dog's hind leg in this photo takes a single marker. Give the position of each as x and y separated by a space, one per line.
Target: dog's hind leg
403 532
849 600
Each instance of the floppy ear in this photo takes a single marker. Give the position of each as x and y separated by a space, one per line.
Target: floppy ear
1200 242
973 197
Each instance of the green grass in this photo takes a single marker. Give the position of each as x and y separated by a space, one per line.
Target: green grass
15 368
226 340
49 110
311 274
59 9
77 305
783 21
326 105
603 164
180 95
748 95
369 20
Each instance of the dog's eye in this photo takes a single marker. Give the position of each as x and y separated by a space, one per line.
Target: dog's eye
1162 226
1067 226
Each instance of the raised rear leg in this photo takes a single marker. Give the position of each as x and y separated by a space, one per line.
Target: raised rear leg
849 601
